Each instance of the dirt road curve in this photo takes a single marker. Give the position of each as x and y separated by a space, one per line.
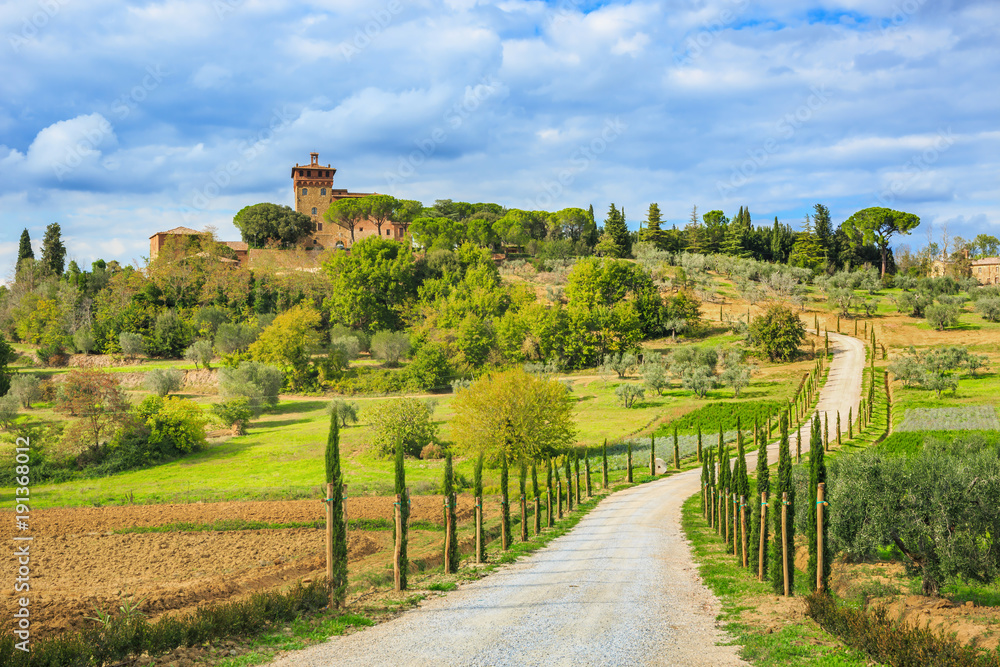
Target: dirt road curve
620 589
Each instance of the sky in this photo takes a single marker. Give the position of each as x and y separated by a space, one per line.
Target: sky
121 119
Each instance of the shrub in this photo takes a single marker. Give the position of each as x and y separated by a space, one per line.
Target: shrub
346 412
941 315
405 421
429 368
171 335
97 401
433 451
778 332
348 345
83 340
235 413
699 379
654 376
390 346
131 344
989 308
258 383
628 394
26 389
234 337
200 352
162 381
622 363
176 425
9 407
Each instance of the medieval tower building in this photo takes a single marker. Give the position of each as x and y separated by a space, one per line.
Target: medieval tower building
314 192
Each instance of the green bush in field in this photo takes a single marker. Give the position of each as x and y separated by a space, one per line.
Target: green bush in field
936 506
401 420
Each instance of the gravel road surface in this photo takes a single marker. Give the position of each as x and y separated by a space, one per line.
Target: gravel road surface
620 589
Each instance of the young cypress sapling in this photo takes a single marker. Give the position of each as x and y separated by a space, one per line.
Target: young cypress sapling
586 464
569 483
504 502
677 450
604 464
451 521
522 485
817 475
756 526
628 470
534 494
335 476
404 515
783 484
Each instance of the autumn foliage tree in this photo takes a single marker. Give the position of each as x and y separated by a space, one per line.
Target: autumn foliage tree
97 403
513 415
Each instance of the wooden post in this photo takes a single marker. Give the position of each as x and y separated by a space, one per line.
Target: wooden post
820 503
784 540
838 428
479 529
826 431
329 533
447 537
549 520
538 514
524 519
652 456
398 551
763 525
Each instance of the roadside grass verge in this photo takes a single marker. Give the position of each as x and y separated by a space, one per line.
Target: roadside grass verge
768 639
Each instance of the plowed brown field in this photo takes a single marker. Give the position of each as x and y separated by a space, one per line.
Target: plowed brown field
79 562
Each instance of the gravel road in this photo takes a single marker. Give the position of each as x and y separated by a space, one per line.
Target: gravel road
620 589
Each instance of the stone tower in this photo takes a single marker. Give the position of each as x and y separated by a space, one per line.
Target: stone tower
313 184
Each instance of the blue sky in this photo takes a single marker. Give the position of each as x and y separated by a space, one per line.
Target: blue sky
118 120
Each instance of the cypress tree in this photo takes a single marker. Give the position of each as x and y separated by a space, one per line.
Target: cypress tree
817 475
24 250
726 483
534 494
704 481
798 445
604 464
586 465
569 483
504 500
652 455
576 470
742 481
783 484
549 517
628 469
763 486
555 468
404 515
53 251
850 423
677 450
335 476
699 441
451 555
522 485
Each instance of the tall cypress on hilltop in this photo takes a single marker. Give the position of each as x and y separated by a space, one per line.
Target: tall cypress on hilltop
24 250
783 484
334 475
404 515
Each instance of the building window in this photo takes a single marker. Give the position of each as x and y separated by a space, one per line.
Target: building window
322 191
314 210
388 232
319 226
305 191
361 229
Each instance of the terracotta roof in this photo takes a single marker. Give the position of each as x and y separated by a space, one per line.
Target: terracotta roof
236 245
182 231
985 261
